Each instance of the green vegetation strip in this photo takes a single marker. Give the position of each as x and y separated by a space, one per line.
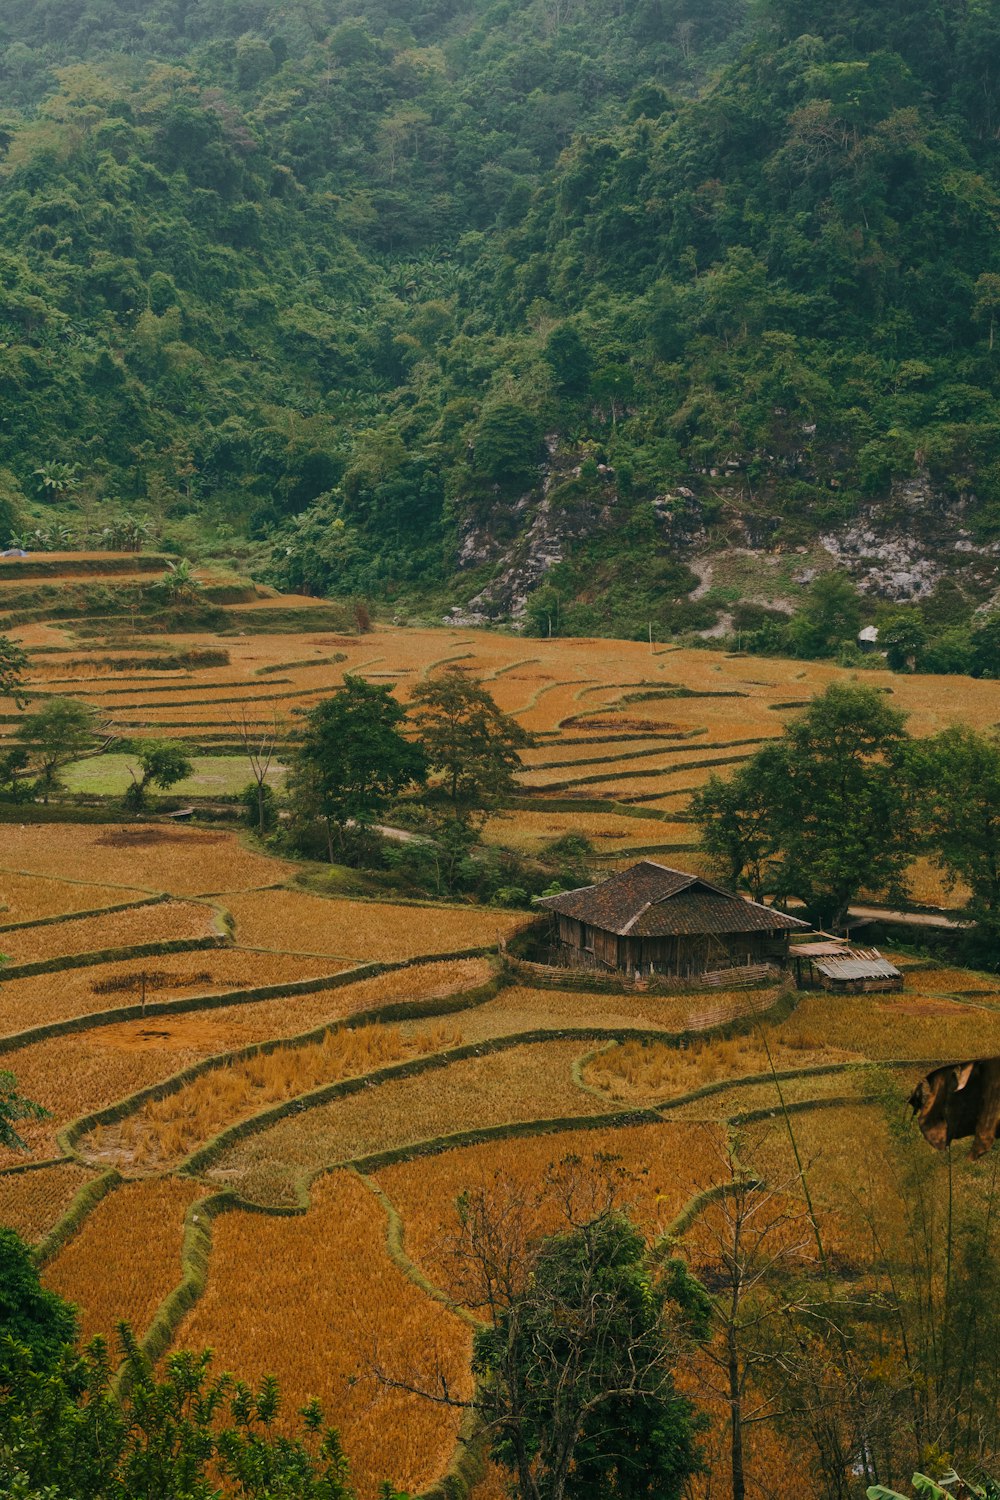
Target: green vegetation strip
76 916
35 1166
85 1200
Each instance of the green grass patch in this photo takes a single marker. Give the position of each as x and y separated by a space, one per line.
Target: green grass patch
212 776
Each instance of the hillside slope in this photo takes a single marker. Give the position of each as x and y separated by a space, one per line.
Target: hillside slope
546 309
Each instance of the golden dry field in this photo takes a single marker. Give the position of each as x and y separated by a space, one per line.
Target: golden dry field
625 734
335 1274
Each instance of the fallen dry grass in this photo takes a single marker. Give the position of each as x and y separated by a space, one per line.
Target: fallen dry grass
529 831
520 1008
893 1026
643 1072
654 1169
32 1202
942 979
161 922
532 1082
315 1326
362 930
739 1099
164 1131
126 1257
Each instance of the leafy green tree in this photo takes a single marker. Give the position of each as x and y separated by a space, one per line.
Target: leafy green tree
829 810
36 1324
55 734
467 738
903 635
507 443
13 667
829 617
162 763
985 643
14 1107
58 478
353 758
576 1391
958 773
180 584
571 360
736 820
185 1432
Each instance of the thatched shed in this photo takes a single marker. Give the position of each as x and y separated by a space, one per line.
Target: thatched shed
654 920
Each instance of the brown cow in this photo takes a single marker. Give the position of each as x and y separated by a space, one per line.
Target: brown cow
960 1100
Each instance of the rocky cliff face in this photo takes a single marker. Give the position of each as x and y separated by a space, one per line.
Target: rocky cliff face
897 548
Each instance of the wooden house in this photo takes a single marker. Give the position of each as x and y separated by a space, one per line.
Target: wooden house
650 919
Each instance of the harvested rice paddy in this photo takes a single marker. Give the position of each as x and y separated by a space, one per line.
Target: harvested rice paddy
617 724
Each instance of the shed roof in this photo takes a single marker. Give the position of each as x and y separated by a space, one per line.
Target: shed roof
857 963
652 900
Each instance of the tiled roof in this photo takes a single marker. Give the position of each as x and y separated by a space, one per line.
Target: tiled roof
651 900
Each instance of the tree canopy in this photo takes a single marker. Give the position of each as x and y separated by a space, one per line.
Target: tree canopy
340 284
825 812
467 738
352 757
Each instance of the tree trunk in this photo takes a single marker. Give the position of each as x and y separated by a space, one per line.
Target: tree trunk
735 1415
260 808
329 840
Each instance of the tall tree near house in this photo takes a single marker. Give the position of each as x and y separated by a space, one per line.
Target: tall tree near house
352 758
958 774
55 734
13 666
827 811
471 742
737 827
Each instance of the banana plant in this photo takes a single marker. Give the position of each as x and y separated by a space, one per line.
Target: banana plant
929 1489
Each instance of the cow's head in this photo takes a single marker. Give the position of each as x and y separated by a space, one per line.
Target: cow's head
945 1105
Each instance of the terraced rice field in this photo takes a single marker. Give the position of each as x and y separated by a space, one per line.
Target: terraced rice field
144 1221
297 922
32 1202
498 1089
640 722
335 1274
157 922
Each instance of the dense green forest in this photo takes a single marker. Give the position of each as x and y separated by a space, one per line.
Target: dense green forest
330 286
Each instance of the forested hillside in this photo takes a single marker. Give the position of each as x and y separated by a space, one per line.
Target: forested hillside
531 303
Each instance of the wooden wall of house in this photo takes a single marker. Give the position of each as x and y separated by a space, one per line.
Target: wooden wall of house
669 955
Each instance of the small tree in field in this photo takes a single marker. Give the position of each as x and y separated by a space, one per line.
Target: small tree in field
59 732
260 741
162 763
472 743
13 666
352 758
